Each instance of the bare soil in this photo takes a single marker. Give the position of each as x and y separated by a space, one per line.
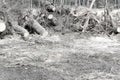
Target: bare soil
60 57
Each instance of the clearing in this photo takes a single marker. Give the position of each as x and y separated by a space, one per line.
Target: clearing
60 57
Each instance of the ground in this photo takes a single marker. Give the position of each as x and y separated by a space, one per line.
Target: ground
60 57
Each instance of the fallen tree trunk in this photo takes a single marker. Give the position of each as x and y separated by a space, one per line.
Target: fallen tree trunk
2 26
17 28
32 24
39 29
21 30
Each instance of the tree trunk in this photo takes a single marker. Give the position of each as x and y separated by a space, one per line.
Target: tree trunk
79 2
61 2
88 3
30 4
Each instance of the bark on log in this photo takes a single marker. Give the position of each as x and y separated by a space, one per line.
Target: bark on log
20 30
39 29
2 26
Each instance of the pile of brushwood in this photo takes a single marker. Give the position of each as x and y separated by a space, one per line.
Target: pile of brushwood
81 19
96 21
68 19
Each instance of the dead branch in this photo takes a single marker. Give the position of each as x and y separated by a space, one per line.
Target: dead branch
88 15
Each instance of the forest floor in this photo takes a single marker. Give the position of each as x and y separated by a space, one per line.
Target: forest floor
60 57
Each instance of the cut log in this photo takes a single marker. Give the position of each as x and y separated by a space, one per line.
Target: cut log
118 29
2 26
39 29
21 30
50 16
52 21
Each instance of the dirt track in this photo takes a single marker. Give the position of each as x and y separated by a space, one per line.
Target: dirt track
68 57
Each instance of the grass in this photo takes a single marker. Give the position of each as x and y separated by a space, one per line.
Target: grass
68 57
